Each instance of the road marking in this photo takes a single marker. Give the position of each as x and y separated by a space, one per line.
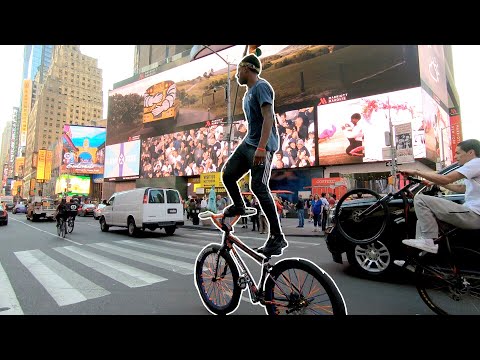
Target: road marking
8 299
125 274
65 286
161 249
181 267
180 244
264 239
46 232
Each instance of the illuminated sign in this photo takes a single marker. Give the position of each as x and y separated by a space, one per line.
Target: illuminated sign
42 154
26 107
122 161
73 185
83 149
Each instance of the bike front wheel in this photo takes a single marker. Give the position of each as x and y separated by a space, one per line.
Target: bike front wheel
450 284
299 287
216 279
70 225
360 217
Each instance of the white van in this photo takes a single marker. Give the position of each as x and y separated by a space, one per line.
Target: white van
143 208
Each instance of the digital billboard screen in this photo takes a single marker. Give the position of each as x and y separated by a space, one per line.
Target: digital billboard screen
296 129
195 92
122 161
72 185
83 149
431 60
438 139
354 130
189 152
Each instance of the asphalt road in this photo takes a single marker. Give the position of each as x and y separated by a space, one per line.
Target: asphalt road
91 272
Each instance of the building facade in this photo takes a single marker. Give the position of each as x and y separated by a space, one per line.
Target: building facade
5 147
402 94
70 94
147 57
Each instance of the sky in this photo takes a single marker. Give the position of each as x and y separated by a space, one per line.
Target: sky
116 62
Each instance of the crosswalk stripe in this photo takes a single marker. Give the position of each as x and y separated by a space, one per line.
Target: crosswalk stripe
8 300
168 264
177 243
125 274
240 236
161 249
64 285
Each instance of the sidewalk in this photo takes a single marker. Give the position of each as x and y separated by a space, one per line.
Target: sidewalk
289 227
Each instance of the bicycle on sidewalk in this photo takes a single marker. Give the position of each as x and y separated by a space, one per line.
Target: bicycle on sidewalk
449 281
290 286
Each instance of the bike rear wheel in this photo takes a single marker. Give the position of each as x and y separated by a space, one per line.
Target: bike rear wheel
220 294
355 226
299 287
450 285
70 225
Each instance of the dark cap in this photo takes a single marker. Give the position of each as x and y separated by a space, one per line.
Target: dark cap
252 62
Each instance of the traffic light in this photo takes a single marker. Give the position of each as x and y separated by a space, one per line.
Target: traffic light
254 49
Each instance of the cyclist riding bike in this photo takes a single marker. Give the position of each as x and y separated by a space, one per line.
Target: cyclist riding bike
429 209
62 211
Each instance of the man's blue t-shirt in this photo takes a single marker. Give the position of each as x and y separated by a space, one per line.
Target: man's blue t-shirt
261 93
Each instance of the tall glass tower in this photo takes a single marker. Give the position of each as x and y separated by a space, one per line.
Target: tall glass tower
36 58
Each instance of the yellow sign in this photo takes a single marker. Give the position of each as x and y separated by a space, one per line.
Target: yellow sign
42 154
211 179
48 165
26 107
19 166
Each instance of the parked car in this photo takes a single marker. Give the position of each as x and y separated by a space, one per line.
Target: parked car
86 210
8 202
143 208
376 259
19 208
98 211
3 215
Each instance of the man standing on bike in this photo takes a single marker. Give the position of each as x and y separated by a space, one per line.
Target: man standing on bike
430 208
256 151
62 211
72 208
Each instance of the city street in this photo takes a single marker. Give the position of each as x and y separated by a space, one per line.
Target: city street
92 272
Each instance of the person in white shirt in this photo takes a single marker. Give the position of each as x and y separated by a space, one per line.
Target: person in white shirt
430 208
354 133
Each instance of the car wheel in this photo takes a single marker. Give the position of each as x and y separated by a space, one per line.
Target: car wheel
170 229
374 259
132 230
103 224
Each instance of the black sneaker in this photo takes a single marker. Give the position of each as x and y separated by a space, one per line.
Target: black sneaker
233 210
274 245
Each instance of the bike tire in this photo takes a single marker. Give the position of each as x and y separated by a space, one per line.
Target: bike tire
299 287
363 230
444 292
70 225
64 229
59 228
221 296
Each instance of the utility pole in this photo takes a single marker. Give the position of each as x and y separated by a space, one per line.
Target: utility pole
393 150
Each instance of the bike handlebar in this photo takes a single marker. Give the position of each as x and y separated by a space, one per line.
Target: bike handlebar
417 181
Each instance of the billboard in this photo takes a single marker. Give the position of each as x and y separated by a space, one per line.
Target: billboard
195 92
190 152
72 185
431 60
26 107
296 129
436 124
19 166
83 149
122 161
455 129
42 156
342 140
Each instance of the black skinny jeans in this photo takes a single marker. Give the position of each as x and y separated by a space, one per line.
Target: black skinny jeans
239 163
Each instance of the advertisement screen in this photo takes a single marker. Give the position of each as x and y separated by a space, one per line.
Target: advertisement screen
190 152
196 92
438 138
122 161
297 139
83 149
432 70
72 185
455 129
356 130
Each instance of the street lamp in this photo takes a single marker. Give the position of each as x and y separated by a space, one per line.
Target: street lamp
199 51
